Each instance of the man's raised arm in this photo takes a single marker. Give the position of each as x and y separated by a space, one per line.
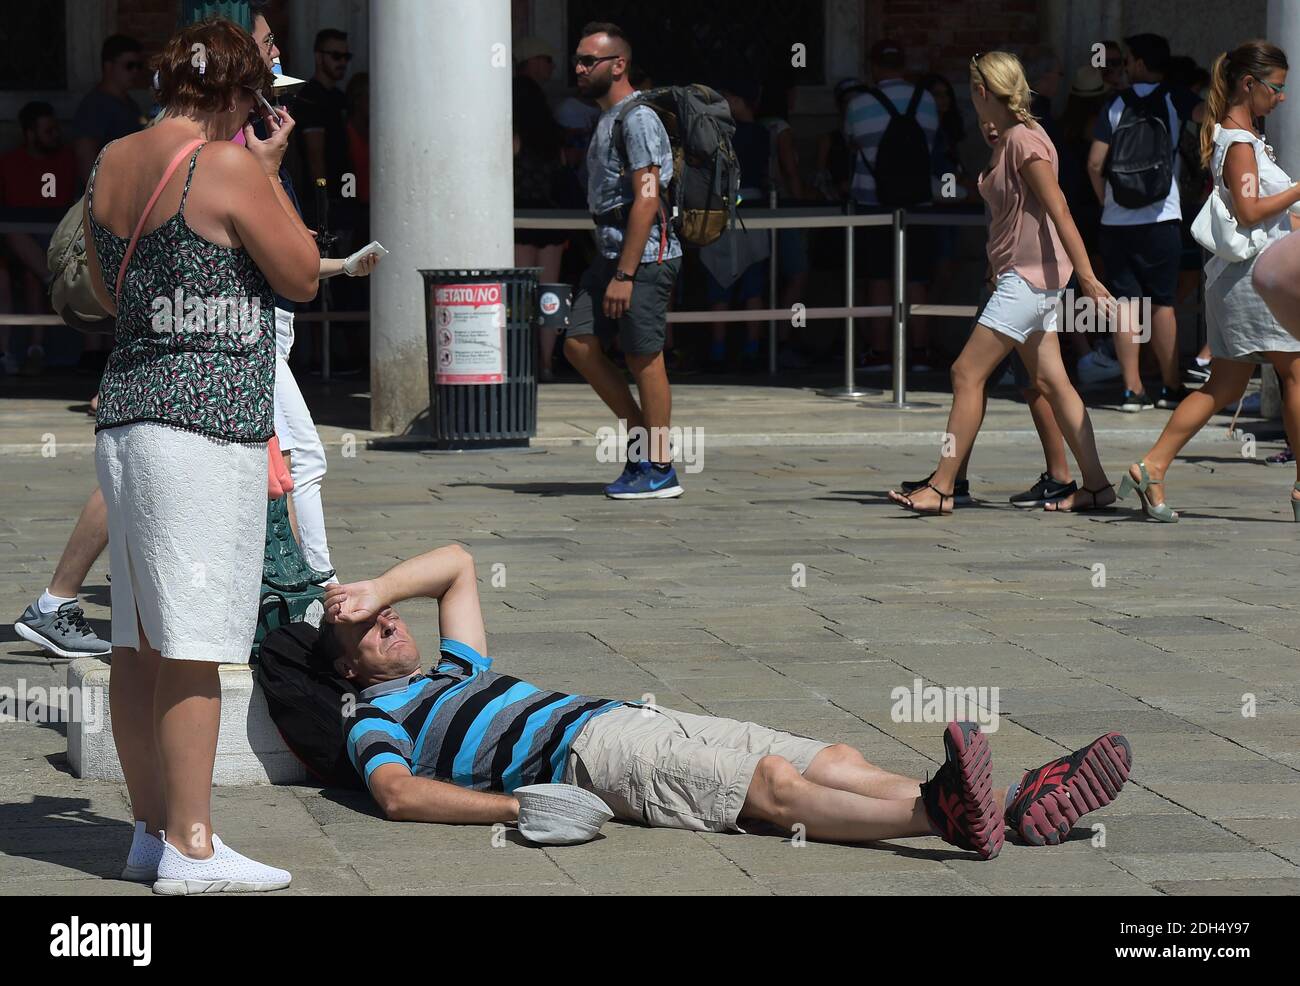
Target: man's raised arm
445 574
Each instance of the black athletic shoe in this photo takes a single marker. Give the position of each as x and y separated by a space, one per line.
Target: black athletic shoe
1133 403
960 489
1046 490
1171 397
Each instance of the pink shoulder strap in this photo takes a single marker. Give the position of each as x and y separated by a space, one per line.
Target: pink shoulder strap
181 155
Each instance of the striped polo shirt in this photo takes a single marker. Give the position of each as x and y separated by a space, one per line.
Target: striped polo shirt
468 725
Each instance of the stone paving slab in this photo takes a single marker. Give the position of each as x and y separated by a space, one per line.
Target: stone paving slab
693 601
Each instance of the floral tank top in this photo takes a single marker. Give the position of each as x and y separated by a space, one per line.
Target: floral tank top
195 344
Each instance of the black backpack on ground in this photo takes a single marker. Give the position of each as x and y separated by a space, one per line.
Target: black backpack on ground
1140 162
701 198
307 702
902 168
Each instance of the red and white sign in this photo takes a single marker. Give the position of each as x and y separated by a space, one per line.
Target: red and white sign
470 333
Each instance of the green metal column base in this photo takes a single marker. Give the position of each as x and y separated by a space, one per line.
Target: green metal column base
291 589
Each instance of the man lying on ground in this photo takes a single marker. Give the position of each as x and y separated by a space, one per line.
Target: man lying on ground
449 745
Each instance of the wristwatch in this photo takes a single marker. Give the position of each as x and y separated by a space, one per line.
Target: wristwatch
621 275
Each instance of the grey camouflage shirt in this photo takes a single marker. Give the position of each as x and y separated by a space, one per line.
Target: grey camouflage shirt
646 142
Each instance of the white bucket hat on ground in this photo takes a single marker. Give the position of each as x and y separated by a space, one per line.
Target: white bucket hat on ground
560 814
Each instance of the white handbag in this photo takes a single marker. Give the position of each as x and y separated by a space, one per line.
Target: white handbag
1216 229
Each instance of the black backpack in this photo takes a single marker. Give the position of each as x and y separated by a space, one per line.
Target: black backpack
1140 162
291 589
902 169
701 198
307 702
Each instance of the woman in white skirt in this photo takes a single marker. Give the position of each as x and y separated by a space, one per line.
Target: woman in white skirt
184 417
1245 85
1033 248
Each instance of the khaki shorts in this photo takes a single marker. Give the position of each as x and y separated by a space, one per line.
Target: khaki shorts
677 769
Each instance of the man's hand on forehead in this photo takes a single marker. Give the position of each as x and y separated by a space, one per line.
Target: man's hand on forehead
354 602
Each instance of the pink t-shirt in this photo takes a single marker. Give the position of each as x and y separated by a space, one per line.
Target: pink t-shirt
1022 237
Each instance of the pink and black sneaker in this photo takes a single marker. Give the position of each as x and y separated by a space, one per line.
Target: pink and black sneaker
959 798
1054 796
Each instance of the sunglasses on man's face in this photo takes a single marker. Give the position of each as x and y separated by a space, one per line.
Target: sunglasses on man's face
133 66
591 61
338 56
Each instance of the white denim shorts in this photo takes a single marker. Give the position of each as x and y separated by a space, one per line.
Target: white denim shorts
1017 309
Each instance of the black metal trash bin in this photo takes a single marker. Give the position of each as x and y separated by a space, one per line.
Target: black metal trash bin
480 327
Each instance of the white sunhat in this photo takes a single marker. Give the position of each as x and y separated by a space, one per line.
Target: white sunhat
560 814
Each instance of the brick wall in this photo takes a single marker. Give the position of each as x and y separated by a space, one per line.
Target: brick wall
154 21
941 35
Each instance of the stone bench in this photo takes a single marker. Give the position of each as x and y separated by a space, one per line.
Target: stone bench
249 747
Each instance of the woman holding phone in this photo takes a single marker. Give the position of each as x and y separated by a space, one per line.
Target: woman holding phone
1033 248
178 211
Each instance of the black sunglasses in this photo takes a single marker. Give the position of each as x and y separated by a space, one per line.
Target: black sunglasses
591 61
338 56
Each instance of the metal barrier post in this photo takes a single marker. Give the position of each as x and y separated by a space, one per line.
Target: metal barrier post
900 313
850 388
771 290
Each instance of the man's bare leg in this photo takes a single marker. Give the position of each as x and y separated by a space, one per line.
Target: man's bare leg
1049 434
88 541
844 768
779 794
585 355
656 401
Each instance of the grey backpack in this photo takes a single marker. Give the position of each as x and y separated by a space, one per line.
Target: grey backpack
701 197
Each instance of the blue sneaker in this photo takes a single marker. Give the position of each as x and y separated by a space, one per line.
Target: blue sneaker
641 481
630 471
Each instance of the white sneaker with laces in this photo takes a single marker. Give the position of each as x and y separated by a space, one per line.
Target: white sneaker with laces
142 860
225 871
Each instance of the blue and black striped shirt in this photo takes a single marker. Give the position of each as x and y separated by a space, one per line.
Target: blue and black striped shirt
468 725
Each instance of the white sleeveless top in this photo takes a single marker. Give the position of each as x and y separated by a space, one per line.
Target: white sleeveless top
1272 179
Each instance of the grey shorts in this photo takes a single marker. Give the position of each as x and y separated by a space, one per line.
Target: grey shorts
643 329
677 769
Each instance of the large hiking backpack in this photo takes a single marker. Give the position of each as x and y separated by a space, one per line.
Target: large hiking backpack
1140 162
700 200
902 168
308 703
291 589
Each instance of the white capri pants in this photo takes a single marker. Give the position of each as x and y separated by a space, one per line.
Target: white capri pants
297 433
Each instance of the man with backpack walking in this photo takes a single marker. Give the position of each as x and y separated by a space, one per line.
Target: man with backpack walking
891 128
1131 165
629 284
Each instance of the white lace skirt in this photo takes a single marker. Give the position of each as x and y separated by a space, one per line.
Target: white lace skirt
186 536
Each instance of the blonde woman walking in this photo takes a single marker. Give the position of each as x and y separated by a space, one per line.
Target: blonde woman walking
1033 248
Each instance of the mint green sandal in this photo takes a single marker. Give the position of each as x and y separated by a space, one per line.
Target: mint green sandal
1157 511
1295 504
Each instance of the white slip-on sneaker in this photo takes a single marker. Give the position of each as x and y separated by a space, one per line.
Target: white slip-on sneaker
224 872
142 860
